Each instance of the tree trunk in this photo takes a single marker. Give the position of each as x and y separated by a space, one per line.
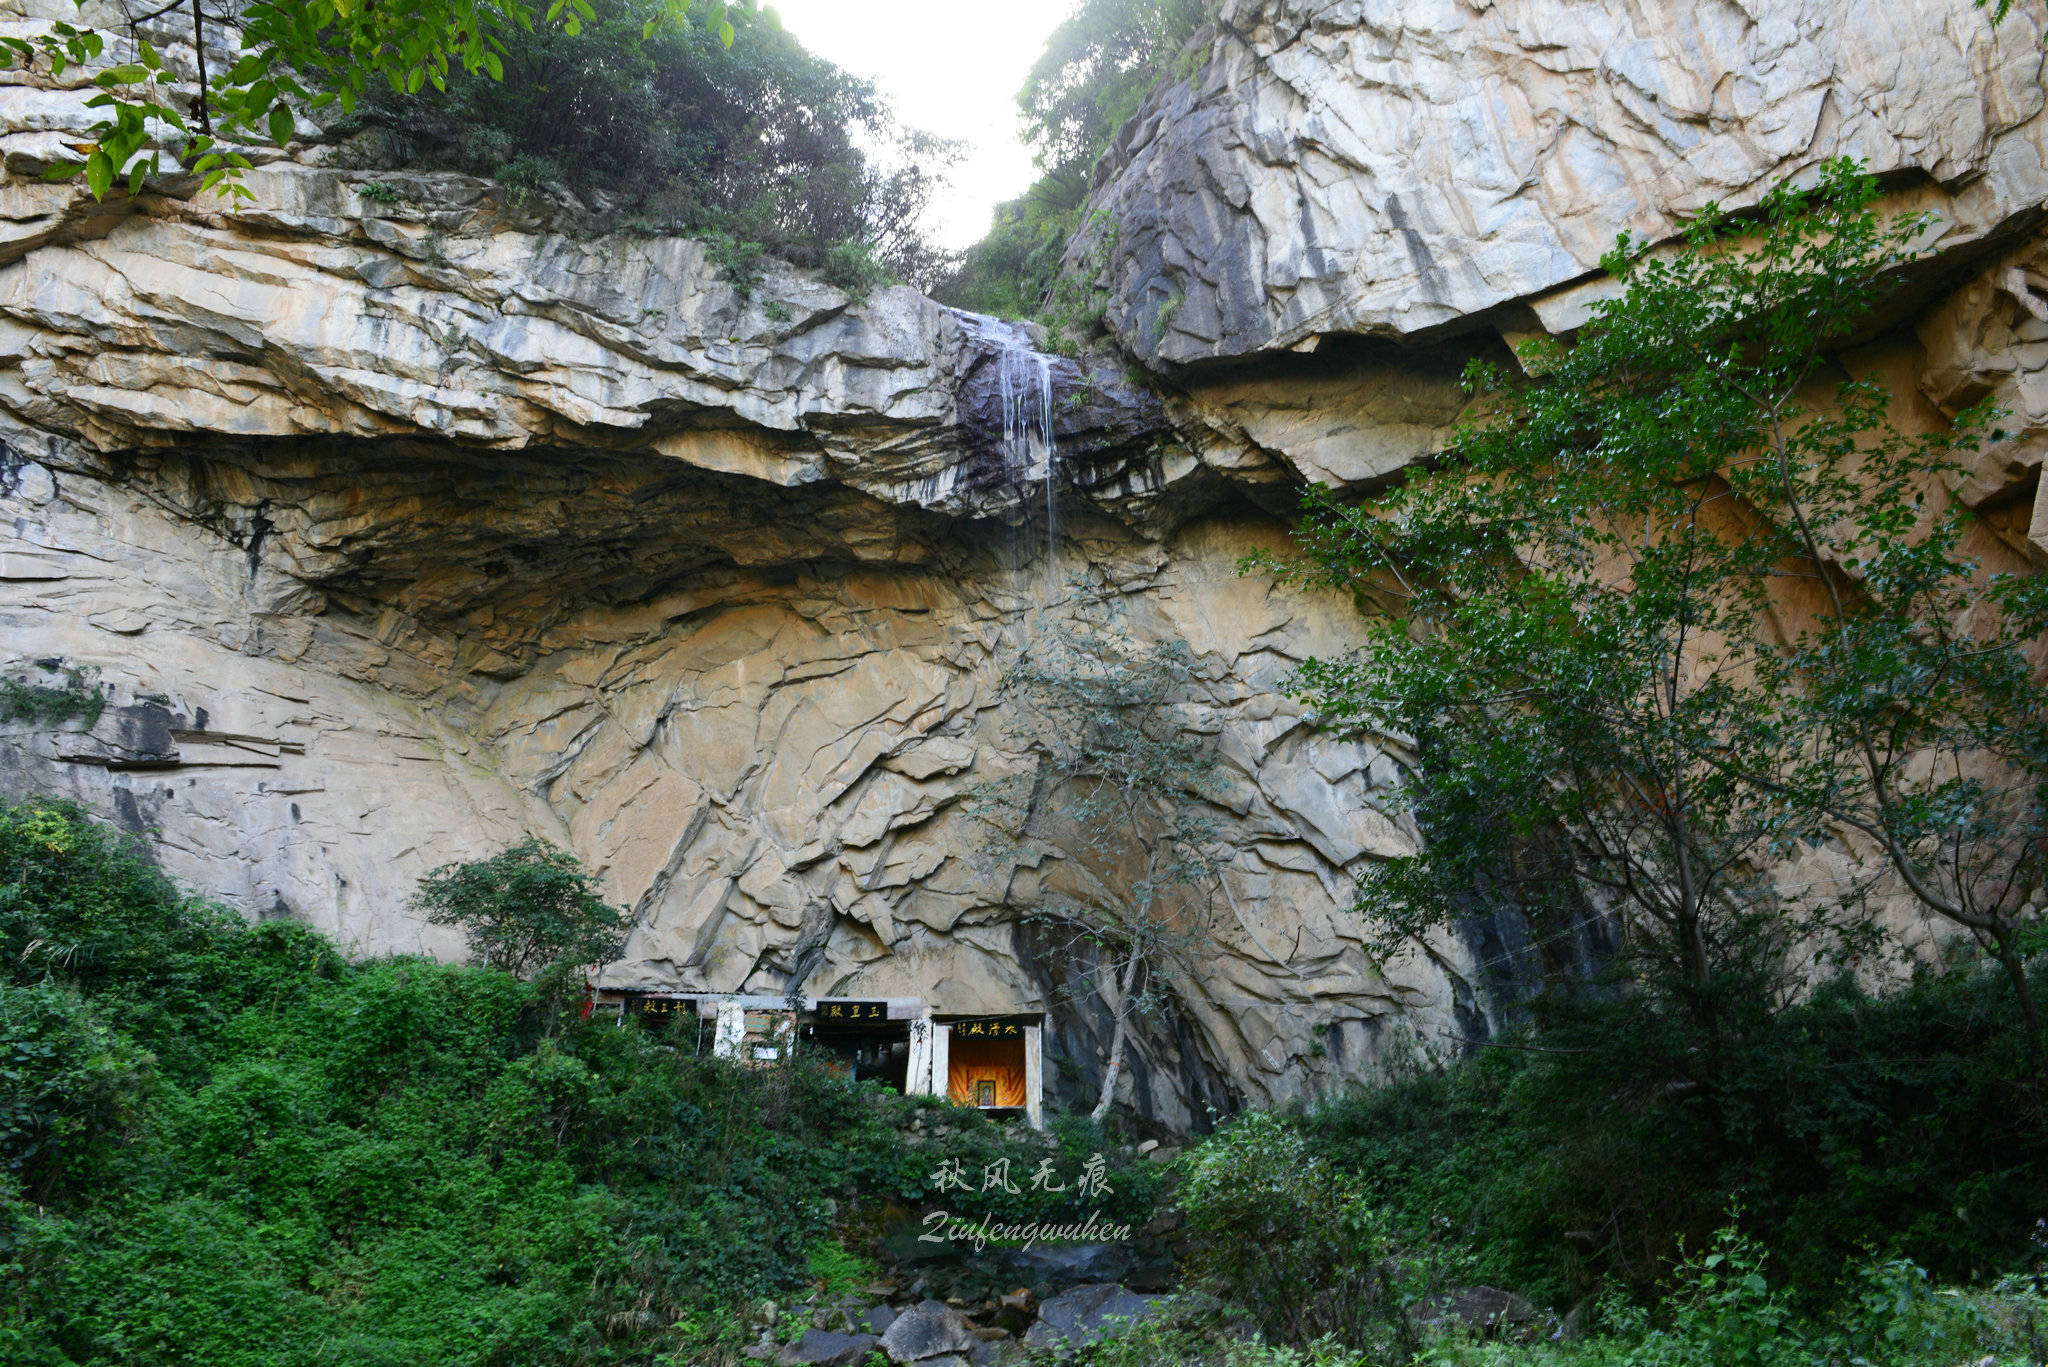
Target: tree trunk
205 100
1119 1040
2007 941
1692 936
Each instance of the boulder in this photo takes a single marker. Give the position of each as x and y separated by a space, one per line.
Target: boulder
1059 1266
1484 1310
824 1348
926 1331
1087 1314
1015 1310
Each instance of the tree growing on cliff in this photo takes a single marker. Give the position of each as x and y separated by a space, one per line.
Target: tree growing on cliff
1685 600
762 147
1120 794
526 909
1098 67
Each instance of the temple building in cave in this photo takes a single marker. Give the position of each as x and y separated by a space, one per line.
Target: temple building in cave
993 1063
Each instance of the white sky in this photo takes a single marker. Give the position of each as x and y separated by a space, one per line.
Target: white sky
951 67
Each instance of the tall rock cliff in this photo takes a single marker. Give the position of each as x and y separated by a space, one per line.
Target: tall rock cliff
398 528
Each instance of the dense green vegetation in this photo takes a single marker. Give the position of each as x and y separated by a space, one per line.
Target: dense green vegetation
759 145
294 55
223 1143
1586 1155
1097 69
658 123
52 696
1721 1310
1858 1184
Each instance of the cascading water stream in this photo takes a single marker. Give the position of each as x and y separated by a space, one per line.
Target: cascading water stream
1030 448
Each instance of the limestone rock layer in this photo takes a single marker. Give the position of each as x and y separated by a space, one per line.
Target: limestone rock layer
1406 167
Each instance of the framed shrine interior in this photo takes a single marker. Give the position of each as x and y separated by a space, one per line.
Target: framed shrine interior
992 1063
985 1066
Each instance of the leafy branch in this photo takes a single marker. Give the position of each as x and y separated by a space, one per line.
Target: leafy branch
294 56
1681 601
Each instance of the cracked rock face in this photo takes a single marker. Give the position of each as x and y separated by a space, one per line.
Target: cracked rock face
397 532
1400 168
400 528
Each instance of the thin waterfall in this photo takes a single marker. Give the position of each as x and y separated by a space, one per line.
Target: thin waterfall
1030 447
1022 402
1016 445
1052 506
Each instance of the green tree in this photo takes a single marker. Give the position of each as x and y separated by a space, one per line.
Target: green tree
1009 272
295 55
773 147
1686 600
526 909
1120 791
1097 68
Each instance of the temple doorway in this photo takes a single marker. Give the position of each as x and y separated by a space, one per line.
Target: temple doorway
860 1039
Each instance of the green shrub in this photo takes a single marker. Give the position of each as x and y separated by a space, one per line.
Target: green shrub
739 261
77 698
1586 1151
79 903
70 1087
525 909
1295 1244
835 1272
853 267
1723 1312
1009 272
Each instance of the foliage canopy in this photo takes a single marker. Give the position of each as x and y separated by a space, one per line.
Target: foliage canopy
670 125
295 55
1583 1151
525 909
761 143
1097 68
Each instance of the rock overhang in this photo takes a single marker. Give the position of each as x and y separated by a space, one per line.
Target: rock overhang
1399 172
